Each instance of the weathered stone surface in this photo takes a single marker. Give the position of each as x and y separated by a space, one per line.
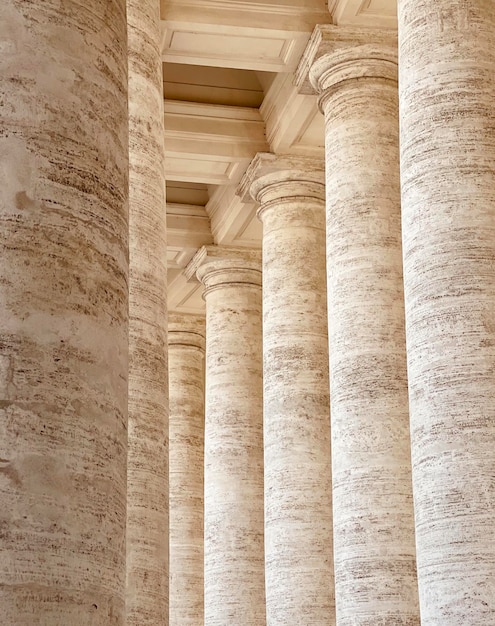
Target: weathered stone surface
234 559
186 348
298 506
147 506
63 312
447 79
374 551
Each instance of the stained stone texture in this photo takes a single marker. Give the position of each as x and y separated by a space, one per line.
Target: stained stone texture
448 168
63 317
186 348
298 507
233 515
147 508
374 551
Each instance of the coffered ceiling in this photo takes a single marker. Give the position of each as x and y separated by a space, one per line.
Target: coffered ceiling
229 88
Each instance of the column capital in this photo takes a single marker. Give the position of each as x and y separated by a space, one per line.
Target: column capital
272 177
223 266
185 329
335 54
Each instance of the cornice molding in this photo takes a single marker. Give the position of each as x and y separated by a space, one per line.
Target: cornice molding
187 210
215 111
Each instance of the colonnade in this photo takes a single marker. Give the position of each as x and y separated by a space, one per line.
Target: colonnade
349 421
377 528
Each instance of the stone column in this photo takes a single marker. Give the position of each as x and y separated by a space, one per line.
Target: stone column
447 62
234 564
63 312
298 506
355 73
147 473
186 348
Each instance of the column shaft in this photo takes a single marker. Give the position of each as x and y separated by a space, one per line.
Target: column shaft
63 312
298 507
147 473
447 62
374 547
234 565
186 338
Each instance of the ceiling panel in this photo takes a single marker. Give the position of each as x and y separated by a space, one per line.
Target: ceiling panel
214 85
179 192
368 13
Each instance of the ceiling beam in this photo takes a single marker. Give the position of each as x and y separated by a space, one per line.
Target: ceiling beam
211 144
243 34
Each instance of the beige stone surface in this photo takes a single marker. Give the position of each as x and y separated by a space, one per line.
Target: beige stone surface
234 564
447 92
298 505
374 550
63 312
186 349
147 507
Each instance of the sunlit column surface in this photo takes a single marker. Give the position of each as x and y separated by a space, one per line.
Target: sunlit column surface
355 73
147 505
234 565
447 91
298 505
64 312
186 348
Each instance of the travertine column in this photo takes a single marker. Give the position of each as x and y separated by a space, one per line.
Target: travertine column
298 505
147 489
375 571
234 564
186 348
447 61
63 312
